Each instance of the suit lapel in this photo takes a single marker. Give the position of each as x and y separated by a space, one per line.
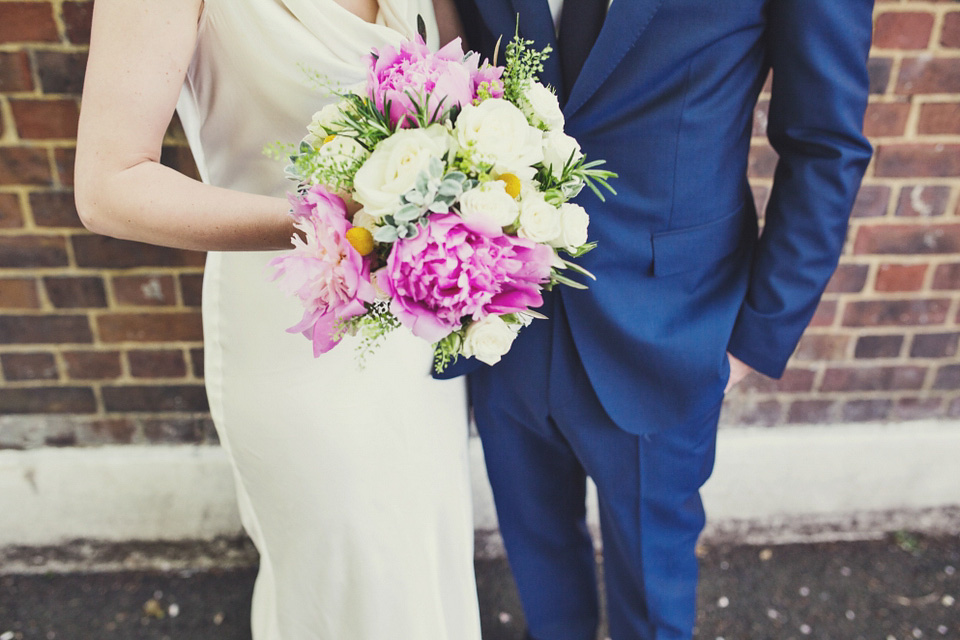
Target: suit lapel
625 22
536 23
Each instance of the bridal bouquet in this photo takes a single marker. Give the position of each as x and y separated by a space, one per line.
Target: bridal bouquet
435 197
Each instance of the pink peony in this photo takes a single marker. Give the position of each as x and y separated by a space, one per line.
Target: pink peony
413 75
454 269
331 279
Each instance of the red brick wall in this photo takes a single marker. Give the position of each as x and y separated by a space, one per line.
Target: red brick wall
100 339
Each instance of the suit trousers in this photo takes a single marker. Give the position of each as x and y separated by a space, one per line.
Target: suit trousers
544 432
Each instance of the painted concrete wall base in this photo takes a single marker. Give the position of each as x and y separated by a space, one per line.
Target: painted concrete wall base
770 485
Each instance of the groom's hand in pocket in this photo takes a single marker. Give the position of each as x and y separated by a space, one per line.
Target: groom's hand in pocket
738 371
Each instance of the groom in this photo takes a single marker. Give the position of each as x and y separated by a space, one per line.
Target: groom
625 381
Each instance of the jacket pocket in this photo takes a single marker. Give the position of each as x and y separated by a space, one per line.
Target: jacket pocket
679 250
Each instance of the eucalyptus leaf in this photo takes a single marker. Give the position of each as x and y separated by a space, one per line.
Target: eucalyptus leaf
386 234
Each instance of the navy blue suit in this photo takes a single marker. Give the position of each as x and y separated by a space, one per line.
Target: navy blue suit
624 382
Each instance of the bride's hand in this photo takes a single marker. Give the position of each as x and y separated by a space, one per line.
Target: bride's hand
140 51
738 371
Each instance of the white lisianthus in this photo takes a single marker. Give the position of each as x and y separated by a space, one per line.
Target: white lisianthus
393 167
573 223
488 339
499 134
540 221
558 148
322 124
541 106
491 201
343 149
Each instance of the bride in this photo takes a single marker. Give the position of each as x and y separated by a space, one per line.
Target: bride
352 484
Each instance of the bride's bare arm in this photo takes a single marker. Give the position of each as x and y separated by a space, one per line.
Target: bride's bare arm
448 20
139 54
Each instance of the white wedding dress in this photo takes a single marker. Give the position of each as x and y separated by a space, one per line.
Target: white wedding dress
353 484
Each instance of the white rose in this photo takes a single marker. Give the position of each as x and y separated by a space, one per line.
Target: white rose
541 106
322 123
499 134
343 149
573 222
393 167
558 148
488 340
540 221
492 201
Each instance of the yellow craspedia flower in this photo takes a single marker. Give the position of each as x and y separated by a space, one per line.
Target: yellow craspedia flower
329 139
360 239
512 182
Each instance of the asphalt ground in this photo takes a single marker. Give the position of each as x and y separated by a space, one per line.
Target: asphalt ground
904 587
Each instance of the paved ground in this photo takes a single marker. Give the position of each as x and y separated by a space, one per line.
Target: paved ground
901 588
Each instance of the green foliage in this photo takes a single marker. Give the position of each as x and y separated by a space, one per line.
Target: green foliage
372 328
446 351
523 65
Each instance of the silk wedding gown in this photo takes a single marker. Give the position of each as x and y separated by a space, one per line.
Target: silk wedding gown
352 484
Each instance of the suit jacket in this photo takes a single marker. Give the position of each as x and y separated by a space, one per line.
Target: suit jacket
667 97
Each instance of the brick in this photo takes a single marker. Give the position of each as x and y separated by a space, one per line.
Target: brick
70 292
19 293
47 399
902 30
111 253
825 314
105 431
900 277
11 216
948 377
179 158
929 75
745 412
191 287
32 251
939 118
923 201
26 166
45 119
934 345
27 22
953 409
146 327
822 347
848 278
875 313
762 161
908 239
867 410
810 411
871 202
950 36
148 399
55 209
918 160
15 72
878 347
885 119
196 362
761 113
794 380
176 431
157 363
144 291
29 366
873 378
917 408
61 72
64 158
45 329
947 276
879 70
76 18
92 365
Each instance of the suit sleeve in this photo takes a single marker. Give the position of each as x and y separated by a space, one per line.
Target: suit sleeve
818 51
